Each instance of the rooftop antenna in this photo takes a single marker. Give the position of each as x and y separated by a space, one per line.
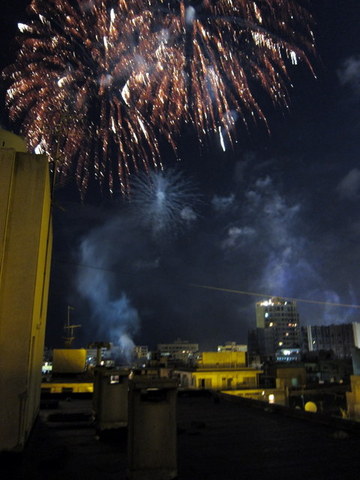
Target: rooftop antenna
69 329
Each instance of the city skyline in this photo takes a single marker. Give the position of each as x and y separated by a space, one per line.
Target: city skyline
278 214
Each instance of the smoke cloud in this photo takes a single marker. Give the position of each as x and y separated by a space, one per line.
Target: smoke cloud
349 74
138 268
349 186
111 310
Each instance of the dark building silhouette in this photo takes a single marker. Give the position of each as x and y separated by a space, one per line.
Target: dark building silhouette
339 339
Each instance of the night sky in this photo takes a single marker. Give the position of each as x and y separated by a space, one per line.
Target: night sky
278 215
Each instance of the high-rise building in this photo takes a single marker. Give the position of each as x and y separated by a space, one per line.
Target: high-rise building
340 339
25 255
277 329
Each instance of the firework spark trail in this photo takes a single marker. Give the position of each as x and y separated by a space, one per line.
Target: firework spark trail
73 74
99 83
223 49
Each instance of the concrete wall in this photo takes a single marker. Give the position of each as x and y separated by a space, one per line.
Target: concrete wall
152 453
218 378
110 399
267 395
10 140
25 254
69 360
353 398
223 358
225 379
290 377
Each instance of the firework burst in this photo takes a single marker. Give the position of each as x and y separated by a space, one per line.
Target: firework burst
165 201
217 54
97 83
70 87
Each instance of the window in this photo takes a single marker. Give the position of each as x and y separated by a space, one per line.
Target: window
114 379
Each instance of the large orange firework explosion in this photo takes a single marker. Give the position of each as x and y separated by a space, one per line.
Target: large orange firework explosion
98 83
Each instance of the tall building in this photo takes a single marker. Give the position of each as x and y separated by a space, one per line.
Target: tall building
277 330
25 255
339 339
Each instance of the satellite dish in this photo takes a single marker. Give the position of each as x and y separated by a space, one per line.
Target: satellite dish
310 407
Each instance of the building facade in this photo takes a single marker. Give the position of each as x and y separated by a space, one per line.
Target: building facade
353 398
232 347
25 257
141 351
339 339
181 350
277 329
220 371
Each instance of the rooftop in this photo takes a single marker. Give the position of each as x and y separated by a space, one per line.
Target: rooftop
218 439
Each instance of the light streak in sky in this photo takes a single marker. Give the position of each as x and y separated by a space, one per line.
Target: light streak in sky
222 143
254 294
99 83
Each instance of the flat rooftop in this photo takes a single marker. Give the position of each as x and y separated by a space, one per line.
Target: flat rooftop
218 439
